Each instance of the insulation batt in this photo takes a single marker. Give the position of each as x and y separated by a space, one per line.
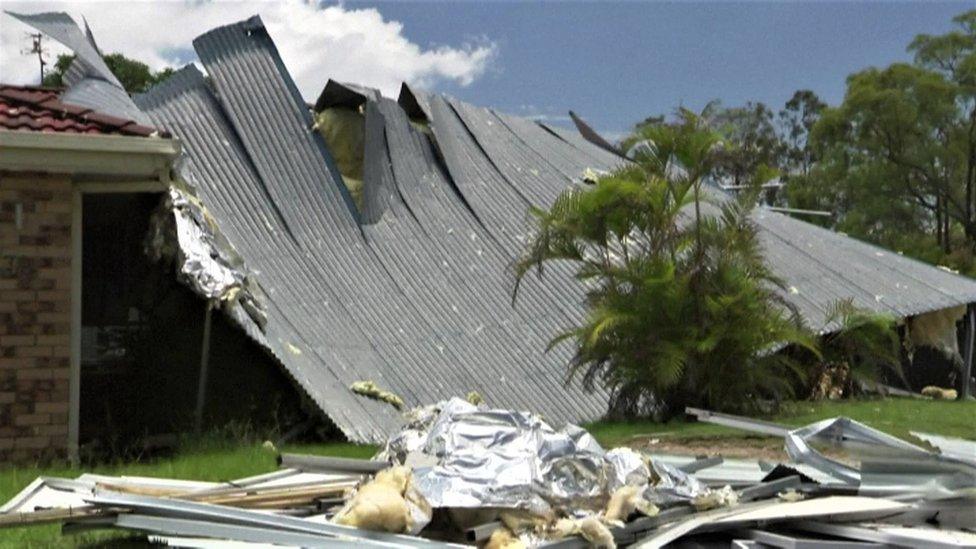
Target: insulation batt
937 330
380 504
591 528
625 501
503 538
938 393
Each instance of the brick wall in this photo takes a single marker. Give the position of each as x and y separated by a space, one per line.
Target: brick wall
35 316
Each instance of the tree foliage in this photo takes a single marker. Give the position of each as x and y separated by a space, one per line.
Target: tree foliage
896 160
135 76
863 349
682 309
751 141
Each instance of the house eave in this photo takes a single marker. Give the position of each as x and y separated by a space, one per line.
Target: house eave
87 154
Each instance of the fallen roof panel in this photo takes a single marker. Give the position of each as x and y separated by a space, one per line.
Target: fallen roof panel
416 299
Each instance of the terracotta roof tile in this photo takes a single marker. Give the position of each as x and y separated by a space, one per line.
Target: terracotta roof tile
31 108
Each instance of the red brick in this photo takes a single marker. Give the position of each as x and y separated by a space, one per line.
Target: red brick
33 419
32 443
34 351
54 340
35 373
50 407
17 340
17 363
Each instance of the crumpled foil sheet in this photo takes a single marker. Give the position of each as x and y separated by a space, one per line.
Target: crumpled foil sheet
205 260
466 456
673 486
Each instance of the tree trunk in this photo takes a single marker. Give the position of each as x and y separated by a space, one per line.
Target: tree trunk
938 221
971 182
946 235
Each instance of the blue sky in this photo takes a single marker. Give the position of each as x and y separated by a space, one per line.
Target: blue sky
617 63
614 63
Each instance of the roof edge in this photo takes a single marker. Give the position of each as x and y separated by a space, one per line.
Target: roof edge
86 153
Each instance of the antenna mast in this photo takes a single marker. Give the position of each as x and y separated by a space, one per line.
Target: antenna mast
38 49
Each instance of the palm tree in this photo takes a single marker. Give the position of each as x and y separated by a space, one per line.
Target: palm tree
682 309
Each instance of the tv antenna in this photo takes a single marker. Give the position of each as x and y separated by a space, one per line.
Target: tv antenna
37 48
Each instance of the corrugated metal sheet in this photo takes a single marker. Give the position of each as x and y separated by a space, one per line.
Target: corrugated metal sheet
91 83
309 330
417 298
822 266
61 27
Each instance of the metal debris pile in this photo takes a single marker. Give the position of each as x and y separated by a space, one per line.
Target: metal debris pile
461 474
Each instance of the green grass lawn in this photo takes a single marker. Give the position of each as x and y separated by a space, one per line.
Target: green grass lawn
895 416
222 460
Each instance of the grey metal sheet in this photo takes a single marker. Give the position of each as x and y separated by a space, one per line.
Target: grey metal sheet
464 273
188 510
826 265
91 83
597 154
420 307
214 530
590 134
481 167
104 97
415 102
337 94
309 331
61 27
423 355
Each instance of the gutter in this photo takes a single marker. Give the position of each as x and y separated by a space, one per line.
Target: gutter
87 154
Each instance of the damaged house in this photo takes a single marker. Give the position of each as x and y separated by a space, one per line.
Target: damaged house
363 239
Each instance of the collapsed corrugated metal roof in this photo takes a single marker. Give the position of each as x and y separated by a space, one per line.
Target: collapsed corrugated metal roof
412 291
416 299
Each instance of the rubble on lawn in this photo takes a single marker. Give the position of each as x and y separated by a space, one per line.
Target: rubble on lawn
461 474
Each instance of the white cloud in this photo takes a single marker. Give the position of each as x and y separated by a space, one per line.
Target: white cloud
316 42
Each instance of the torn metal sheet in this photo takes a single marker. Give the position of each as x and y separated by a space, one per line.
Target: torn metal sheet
90 82
204 259
216 513
61 27
956 448
888 464
49 493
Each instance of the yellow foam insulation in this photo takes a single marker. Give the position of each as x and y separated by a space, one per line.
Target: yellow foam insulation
937 330
938 393
590 528
625 501
344 131
369 389
384 503
503 538
724 497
